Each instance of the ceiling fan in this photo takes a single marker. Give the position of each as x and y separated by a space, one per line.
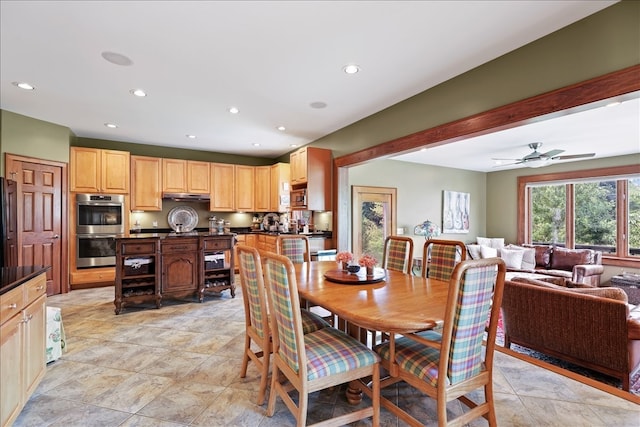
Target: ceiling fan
537 159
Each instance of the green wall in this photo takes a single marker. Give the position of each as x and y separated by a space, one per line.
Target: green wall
25 136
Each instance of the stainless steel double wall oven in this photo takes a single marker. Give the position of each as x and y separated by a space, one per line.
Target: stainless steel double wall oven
100 219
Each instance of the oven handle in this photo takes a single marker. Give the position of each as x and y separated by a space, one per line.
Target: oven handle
99 204
99 236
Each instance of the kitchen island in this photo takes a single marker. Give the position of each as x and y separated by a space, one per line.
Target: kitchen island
151 266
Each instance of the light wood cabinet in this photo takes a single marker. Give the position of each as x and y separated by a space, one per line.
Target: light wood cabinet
146 183
222 187
311 171
94 170
262 188
185 176
279 194
244 188
22 345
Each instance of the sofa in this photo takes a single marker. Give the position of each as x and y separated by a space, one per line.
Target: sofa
568 266
591 327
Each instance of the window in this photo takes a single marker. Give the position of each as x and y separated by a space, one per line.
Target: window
597 209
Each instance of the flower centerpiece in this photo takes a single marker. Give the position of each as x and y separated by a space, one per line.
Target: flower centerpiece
369 262
344 258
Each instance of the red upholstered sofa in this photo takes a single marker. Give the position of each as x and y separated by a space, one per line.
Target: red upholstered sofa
576 266
590 327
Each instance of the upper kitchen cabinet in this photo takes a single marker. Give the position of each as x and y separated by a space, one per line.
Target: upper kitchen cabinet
244 188
279 195
185 176
262 188
311 179
94 170
222 187
146 183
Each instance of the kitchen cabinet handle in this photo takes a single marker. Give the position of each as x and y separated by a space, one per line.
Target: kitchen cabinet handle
39 288
12 306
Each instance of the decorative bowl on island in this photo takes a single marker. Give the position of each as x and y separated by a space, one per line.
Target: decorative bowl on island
353 268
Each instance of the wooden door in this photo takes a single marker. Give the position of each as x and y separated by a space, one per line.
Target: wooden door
374 218
42 217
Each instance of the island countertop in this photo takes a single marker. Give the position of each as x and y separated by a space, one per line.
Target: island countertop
11 277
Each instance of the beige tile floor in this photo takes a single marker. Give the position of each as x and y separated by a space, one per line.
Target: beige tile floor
179 365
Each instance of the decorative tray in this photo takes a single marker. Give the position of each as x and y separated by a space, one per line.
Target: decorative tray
185 215
359 278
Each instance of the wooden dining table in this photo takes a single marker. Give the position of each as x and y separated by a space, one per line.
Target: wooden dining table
399 303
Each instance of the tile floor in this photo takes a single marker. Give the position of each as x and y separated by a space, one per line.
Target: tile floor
179 366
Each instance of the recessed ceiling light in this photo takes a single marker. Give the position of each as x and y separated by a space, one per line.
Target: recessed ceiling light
318 105
351 69
116 58
282 128
256 144
234 110
138 92
191 136
111 125
613 104
24 85
423 149
293 145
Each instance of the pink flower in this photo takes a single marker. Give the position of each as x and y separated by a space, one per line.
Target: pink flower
344 256
368 261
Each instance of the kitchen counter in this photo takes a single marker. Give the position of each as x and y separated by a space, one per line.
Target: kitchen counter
11 277
169 235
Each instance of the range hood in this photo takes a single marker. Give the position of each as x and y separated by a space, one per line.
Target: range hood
186 197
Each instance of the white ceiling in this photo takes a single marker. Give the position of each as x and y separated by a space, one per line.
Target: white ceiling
270 59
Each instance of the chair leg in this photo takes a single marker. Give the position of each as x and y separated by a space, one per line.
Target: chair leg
263 381
488 397
303 404
245 356
271 406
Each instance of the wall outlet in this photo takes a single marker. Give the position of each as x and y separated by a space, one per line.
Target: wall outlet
400 231
155 224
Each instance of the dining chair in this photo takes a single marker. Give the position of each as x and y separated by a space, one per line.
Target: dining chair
314 361
439 257
294 246
398 253
448 365
256 315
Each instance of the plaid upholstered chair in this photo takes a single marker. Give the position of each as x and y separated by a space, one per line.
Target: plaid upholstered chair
398 253
257 316
313 361
293 246
442 256
448 365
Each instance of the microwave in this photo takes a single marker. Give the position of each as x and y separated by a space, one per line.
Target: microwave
299 199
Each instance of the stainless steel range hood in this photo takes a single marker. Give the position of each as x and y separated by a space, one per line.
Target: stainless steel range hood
186 197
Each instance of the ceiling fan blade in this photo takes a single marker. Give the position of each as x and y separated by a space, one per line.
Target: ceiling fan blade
573 156
552 153
514 160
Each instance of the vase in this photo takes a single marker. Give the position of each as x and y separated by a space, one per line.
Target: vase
343 265
369 271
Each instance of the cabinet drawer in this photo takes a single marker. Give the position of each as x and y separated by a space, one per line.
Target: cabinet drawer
183 246
138 248
217 244
11 303
35 288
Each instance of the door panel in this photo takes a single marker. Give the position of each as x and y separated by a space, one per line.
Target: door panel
374 218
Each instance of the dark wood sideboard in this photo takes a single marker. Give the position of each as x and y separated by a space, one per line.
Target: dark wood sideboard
151 267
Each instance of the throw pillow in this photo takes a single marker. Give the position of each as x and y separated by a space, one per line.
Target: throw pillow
528 258
512 257
543 255
565 259
487 252
474 251
497 243
484 241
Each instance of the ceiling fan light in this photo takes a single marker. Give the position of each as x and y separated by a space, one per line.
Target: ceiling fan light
537 163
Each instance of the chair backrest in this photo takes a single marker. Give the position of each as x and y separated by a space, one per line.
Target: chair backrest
282 290
475 297
439 257
295 247
253 290
398 253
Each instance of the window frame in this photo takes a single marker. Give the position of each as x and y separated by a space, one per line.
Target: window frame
622 258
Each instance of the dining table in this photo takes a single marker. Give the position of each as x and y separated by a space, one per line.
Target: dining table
395 302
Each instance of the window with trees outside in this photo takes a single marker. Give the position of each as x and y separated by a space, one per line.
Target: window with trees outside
596 209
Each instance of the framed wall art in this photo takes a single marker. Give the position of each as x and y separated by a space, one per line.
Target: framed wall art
455 212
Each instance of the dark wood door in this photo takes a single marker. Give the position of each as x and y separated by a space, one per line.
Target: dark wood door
41 209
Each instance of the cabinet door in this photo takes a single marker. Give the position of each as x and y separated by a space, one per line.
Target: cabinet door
146 183
280 174
244 180
174 176
262 188
180 272
222 187
85 169
298 161
34 357
115 172
198 177
10 365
